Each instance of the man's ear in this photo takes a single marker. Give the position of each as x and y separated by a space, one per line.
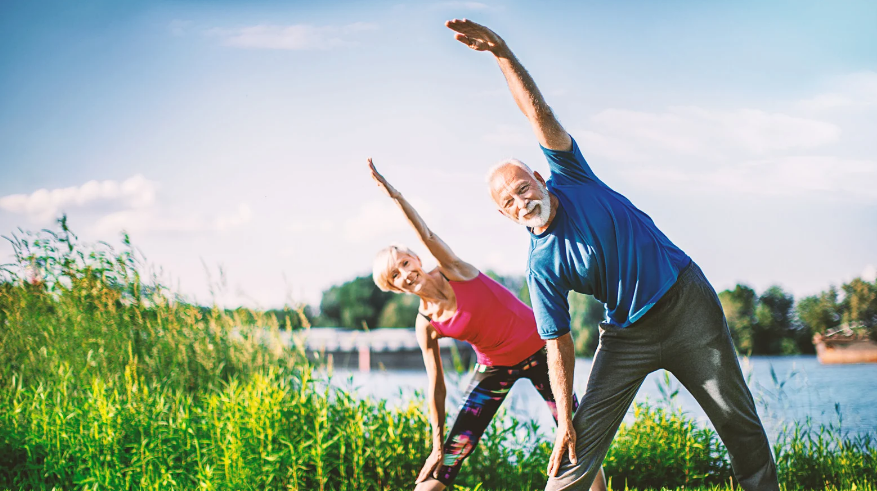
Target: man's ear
539 177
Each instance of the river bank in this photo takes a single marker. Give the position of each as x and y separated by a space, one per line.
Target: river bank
787 389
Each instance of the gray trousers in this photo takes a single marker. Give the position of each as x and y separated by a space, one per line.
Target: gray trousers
686 334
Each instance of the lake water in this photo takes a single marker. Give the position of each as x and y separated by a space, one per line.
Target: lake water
786 389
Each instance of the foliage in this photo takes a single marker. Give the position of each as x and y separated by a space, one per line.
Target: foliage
355 304
739 307
287 318
586 313
856 308
774 328
821 457
765 324
110 383
672 451
399 311
820 313
860 305
84 308
515 284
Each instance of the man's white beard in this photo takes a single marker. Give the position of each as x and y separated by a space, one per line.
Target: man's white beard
541 217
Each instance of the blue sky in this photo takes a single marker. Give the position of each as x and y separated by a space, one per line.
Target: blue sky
235 134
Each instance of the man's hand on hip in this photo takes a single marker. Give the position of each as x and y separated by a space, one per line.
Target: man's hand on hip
564 442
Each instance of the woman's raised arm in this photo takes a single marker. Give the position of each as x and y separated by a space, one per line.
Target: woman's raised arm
453 267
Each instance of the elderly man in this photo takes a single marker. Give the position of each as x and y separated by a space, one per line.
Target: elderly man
661 312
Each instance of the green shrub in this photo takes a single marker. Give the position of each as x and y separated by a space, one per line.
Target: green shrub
109 382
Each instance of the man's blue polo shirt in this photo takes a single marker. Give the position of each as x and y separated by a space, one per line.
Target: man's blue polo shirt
598 244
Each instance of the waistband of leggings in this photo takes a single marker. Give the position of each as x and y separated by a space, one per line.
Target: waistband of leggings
540 353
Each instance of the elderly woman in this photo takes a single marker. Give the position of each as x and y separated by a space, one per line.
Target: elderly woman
460 302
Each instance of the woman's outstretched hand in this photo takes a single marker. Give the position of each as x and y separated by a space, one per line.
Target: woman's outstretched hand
430 467
382 183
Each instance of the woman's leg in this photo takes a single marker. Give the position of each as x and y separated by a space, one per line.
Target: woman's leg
536 369
488 389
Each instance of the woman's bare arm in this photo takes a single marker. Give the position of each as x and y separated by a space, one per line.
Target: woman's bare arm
428 338
450 264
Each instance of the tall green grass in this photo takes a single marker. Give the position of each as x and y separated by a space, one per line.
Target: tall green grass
109 381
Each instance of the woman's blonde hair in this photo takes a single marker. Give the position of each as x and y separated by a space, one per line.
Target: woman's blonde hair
384 261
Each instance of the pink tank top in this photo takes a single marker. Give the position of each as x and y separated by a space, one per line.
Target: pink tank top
501 328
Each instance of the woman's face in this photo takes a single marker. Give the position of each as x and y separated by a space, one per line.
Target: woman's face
405 273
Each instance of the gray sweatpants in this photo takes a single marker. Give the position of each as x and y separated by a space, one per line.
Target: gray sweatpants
686 334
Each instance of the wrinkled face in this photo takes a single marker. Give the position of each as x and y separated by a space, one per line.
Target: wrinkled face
520 196
405 273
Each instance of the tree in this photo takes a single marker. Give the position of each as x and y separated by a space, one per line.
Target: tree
860 305
739 306
774 331
400 311
355 304
817 314
515 284
586 313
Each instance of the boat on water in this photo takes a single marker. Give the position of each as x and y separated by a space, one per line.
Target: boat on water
846 344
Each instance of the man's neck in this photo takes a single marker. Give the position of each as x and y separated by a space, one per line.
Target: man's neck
554 204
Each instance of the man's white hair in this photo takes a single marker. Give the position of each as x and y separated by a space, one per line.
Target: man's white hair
505 163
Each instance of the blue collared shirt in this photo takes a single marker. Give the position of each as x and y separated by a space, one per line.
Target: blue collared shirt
598 244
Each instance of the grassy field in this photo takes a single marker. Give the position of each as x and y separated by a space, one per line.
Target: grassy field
108 381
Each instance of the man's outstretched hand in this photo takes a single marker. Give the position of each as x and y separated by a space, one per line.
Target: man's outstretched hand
476 36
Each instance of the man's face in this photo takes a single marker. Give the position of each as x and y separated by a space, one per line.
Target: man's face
520 196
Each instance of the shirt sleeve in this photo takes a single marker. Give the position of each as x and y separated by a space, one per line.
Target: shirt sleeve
550 306
569 166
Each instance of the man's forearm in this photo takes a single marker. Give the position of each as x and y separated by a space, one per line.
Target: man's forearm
530 101
561 367
524 90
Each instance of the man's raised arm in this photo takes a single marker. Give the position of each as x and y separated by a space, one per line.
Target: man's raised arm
548 129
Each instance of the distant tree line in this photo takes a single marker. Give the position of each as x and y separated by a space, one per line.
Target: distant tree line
770 323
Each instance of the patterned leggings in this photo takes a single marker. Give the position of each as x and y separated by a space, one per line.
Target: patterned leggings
489 387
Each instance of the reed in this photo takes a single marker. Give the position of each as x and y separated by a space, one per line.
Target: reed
109 381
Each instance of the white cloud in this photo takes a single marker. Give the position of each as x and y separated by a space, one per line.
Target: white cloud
854 90
796 152
233 220
155 219
373 219
476 6
509 135
614 148
376 219
179 27
696 131
292 37
869 273
44 204
129 205
823 176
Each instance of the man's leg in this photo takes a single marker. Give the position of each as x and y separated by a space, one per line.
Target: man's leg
537 371
622 361
700 353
